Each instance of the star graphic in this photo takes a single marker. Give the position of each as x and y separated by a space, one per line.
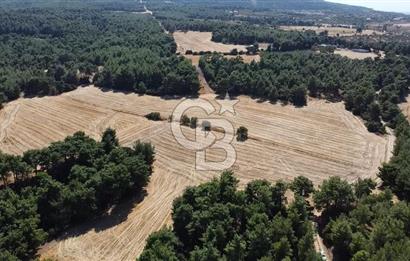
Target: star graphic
228 105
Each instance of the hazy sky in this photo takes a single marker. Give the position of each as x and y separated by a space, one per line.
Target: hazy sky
383 5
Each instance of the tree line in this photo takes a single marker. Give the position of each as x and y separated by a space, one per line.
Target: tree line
46 191
370 89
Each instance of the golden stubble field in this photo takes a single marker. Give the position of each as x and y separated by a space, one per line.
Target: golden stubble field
405 107
317 141
201 41
357 55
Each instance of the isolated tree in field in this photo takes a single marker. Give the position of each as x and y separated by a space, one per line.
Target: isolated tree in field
153 116
206 126
234 51
242 134
109 139
193 122
302 186
185 121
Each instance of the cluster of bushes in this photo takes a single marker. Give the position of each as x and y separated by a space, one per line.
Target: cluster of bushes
189 122
242 134
370 89
46 191
153 116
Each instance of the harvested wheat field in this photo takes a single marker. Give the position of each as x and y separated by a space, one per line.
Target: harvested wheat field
358 55
317 141
332 31
201 41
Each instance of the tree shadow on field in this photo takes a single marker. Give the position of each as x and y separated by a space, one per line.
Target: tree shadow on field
178 97
150 93
113 217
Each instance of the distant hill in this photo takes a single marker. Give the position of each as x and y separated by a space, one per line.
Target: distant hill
295 5
316 9
305 6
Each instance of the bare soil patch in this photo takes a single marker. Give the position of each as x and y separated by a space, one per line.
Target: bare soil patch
317 141
357 55
201 41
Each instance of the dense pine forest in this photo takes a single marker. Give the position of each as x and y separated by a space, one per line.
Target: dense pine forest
216 221
46 191
370 89
49 51
275 12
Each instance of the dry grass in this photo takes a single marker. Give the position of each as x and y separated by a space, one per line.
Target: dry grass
405 107
357 55
332 31
201 41
317 141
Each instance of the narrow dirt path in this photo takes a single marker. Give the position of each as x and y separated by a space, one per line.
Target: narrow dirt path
205 88
322 249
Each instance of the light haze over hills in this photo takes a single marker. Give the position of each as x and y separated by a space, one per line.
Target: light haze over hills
402 6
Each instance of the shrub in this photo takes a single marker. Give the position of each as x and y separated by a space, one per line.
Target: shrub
194 122
185 121
153 116
242 134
